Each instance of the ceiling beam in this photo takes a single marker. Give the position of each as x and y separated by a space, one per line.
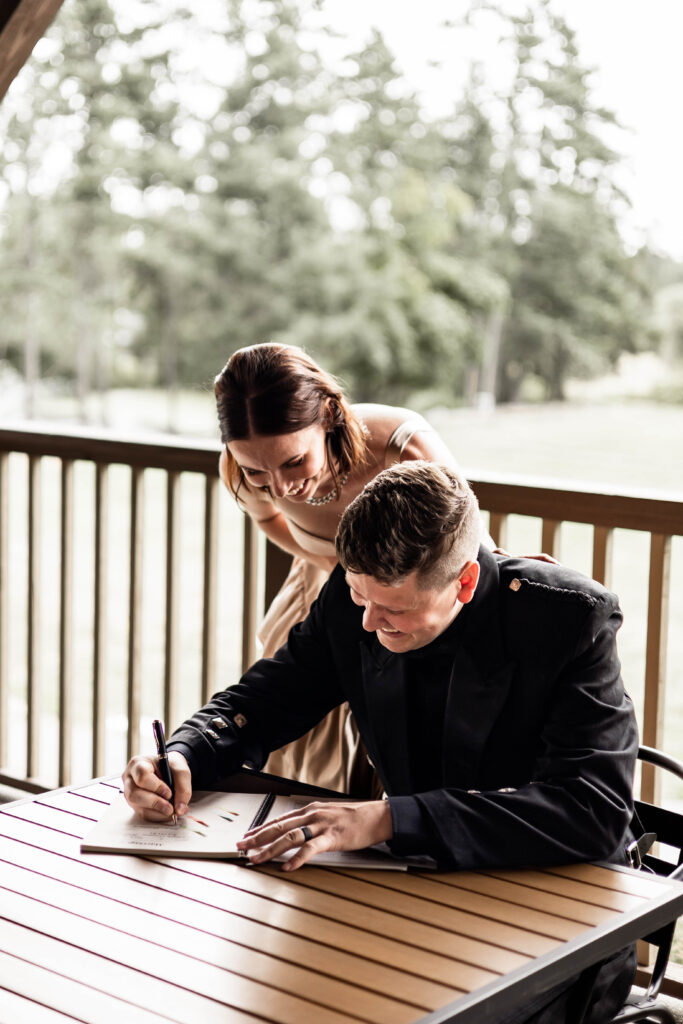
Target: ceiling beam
22 23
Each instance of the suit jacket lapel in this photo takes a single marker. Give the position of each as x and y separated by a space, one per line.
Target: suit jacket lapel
385 686
480 681
475 700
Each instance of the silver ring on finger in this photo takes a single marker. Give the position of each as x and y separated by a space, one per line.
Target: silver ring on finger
308 835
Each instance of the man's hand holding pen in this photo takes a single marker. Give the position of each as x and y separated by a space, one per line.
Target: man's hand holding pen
317 828
149 795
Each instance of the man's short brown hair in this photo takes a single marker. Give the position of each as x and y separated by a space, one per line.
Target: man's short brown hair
413 517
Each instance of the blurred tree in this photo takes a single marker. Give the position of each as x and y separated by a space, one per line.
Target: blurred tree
547 207
412 333
88 126
578 299
311 202
256 175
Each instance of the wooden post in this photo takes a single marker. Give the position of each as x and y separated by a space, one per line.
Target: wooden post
210 587
4 603
249 593
550 537
603 545
99 707
498 528
655 657
172 583
66 621
134 608
33 619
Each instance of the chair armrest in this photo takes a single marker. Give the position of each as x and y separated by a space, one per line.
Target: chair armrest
660 760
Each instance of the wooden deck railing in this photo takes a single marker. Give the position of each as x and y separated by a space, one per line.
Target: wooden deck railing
174 458
660 517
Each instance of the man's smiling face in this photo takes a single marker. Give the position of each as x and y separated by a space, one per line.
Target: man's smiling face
405 617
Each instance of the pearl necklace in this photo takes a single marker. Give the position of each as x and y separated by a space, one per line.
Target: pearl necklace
325 498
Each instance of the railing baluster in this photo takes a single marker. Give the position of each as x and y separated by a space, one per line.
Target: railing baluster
550 537
33 618
498 528
65 620
99 709
655 657
603 545
249 593
134 608
210 587
4 604
278 564
171 629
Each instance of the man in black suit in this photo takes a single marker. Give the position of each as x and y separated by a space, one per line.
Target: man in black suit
486 689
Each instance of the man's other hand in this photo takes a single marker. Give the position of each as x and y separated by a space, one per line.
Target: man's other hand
317 828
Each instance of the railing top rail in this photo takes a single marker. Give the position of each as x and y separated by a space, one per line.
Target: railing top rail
154 451
579 502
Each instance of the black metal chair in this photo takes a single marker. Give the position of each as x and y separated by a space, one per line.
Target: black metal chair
668 826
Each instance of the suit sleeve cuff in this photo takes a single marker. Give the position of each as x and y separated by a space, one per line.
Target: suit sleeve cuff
411 830
183 749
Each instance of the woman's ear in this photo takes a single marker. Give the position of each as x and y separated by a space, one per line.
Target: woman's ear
332 414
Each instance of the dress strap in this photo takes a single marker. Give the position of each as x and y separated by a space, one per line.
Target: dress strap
405 431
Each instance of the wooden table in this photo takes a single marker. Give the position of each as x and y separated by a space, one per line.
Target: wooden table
133 940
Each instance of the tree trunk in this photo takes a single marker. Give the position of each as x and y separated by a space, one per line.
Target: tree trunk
493 333
170 360
31 356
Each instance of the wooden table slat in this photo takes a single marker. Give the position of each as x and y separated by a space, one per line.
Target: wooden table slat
413 907
487 907
188 940
220 941
574 889
426 938
257 935
71 803
102 792
41 814
523 896
215 982
427 969
60 993
15 1009
110 978
641 884
423 937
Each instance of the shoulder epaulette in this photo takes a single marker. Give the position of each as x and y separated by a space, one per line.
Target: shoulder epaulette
521 583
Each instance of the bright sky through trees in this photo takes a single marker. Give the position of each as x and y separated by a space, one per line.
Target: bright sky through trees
635 48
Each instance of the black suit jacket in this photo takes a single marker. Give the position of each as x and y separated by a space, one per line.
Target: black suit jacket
539 738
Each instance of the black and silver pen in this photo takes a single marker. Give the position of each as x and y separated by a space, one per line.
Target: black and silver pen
164 767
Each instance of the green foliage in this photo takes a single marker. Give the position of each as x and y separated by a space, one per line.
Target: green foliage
548 205
308 202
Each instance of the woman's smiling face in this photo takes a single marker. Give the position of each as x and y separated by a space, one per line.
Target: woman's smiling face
289 465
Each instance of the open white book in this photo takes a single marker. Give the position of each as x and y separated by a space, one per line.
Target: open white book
211 828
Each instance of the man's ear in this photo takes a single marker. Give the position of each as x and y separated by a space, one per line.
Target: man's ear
468 580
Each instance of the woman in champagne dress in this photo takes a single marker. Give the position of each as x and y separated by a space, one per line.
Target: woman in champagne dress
295 454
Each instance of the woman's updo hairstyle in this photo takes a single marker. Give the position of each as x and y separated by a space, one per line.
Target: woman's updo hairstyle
270 389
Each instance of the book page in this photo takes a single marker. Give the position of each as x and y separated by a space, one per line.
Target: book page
211 828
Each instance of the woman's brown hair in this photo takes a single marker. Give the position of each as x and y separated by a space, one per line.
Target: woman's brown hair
272 389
